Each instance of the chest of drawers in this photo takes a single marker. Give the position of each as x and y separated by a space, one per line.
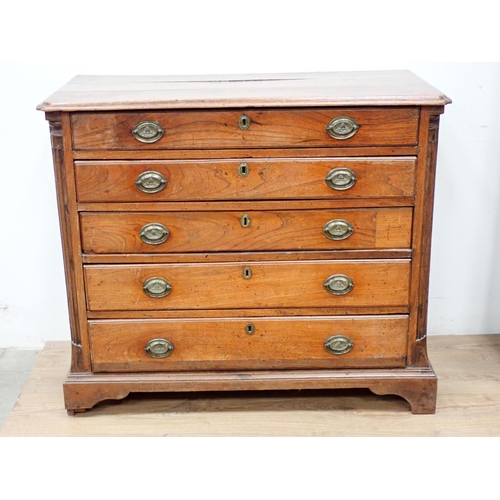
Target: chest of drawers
246 233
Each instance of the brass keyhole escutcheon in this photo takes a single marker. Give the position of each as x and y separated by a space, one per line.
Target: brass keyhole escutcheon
243 170
247 273
249 328
245 220
244 122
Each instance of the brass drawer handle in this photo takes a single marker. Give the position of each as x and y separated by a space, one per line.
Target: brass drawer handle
339 344
338 229
148 132
154 233
244 122
339 284
151 182
342 127
159 348
341 179
156 287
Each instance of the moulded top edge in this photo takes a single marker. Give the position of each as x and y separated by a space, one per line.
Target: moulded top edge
378 88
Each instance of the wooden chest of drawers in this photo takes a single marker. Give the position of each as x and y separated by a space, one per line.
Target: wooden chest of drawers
246 233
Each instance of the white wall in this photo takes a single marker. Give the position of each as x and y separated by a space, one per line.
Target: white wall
465 272
465 265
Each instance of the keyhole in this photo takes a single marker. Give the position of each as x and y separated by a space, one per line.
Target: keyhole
243 170
245 220
249 328
244 122
247 273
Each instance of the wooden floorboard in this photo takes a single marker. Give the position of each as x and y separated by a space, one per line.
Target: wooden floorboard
468 404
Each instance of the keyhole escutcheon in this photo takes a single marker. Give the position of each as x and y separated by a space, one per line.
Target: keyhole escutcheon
245 220
247 273
249 328
243 169
244 122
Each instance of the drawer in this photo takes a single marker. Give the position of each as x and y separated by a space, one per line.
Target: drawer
225 344
244 179
160 232
263 128
247 285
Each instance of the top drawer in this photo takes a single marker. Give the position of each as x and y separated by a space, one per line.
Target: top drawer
209 129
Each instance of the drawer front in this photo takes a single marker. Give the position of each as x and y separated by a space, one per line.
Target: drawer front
278 128
160 232
248 285
245 179
224 343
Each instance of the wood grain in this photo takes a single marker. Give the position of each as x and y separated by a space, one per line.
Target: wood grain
246 313
284 252
190 206
421 241
208 129
223 343
217 154
417 386
420 353
222 286
60 135
268 179
166 258
222 231
374 88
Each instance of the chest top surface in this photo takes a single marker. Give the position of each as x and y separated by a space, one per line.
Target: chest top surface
361 88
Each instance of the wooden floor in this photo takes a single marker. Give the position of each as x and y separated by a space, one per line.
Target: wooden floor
468 368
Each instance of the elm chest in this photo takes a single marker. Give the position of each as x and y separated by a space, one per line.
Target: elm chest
246 232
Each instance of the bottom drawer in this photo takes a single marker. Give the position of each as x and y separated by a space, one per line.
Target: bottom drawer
248 343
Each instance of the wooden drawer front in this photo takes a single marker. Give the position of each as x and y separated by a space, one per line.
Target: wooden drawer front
222 343
224 231
115 181
208 129
271 285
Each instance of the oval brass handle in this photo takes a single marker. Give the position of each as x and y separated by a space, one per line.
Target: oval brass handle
151 182
342 127
244 122
156 287
148 131
159 348
338 229
154 233
341 179
339 344
339 284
